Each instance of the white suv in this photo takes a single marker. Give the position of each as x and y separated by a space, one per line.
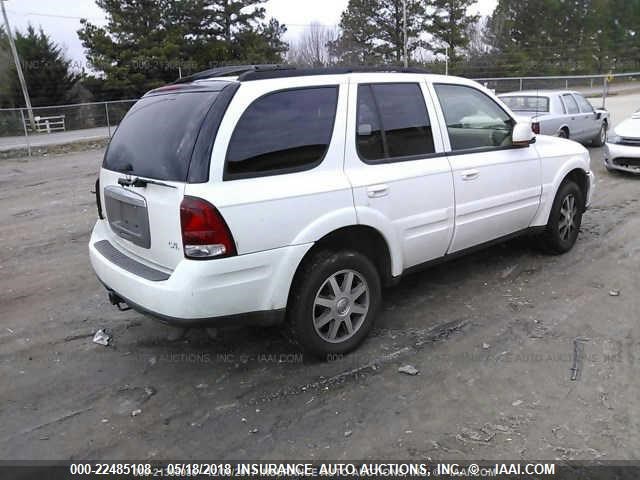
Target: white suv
270 194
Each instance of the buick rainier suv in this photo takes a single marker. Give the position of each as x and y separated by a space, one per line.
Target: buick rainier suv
274 195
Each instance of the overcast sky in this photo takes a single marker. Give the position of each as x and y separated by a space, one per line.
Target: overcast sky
61 19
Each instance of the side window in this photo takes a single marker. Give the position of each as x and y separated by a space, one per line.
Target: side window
282 132
585 106
392 122
570 103
473 119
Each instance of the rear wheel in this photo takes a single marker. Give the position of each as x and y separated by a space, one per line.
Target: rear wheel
335 299
563 133
565 219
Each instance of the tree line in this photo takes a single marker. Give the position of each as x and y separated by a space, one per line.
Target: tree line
147 43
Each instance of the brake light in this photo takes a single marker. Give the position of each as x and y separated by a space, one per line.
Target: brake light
205 234
535 127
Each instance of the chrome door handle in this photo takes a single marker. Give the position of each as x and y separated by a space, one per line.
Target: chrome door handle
470 175
377 190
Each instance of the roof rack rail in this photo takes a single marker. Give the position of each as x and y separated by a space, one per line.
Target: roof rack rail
230 70
261 72
290 71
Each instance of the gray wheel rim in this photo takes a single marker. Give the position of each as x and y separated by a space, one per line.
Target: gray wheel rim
340 306
568 213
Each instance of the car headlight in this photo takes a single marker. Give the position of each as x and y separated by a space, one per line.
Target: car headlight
614 139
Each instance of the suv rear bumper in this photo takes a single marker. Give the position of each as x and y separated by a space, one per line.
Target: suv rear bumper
251 288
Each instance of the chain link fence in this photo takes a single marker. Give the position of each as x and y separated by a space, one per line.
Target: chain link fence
60 124
96 121
594 86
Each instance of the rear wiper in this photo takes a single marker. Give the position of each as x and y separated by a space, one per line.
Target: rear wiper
141 182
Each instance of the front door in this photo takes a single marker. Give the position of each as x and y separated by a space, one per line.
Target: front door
497 186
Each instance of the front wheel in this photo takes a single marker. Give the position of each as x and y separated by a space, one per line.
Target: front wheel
601 138
335 299
565 219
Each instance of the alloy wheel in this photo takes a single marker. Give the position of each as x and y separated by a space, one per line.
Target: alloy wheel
340 306
568 214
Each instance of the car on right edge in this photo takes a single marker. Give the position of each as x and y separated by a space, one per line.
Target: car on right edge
622 150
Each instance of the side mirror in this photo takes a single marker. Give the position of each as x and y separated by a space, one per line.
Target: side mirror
364 130
523 135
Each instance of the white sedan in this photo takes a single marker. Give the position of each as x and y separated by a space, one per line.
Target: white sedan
622 150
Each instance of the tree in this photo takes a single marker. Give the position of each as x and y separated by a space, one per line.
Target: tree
532 37
312 48
372 31
145 43
448 22
47 71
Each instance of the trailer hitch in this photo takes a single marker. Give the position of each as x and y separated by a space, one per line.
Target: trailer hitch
117 300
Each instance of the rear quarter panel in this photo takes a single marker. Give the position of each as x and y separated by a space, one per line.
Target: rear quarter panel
287 209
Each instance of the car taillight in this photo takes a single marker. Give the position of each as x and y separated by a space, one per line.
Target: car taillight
205 234
535 126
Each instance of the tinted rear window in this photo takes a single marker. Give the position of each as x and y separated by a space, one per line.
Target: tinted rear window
156 137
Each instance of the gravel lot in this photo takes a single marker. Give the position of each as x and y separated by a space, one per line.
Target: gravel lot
492 335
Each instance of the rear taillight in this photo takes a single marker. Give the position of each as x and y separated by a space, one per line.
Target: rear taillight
535 127
205 234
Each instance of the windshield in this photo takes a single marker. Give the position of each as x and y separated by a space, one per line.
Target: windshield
157 136
524 103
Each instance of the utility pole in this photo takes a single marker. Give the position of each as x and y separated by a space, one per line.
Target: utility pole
446 60
404 28
23 84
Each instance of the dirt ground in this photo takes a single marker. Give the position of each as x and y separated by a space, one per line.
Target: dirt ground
493 336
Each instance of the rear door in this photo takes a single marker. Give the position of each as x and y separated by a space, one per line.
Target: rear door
591 124
497 186
144 173
401 180
573 117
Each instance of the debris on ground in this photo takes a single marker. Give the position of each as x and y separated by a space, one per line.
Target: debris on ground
508 271
517 403
150 391
176 333
348 433
486 346
408 370
578 354
614 293
476 436
102 337
212 333
254 430
136 412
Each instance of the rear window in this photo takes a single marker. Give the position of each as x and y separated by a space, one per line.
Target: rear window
156 137
527 103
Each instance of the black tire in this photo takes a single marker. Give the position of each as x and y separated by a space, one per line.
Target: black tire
601 138
557 239
563 133
310 284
